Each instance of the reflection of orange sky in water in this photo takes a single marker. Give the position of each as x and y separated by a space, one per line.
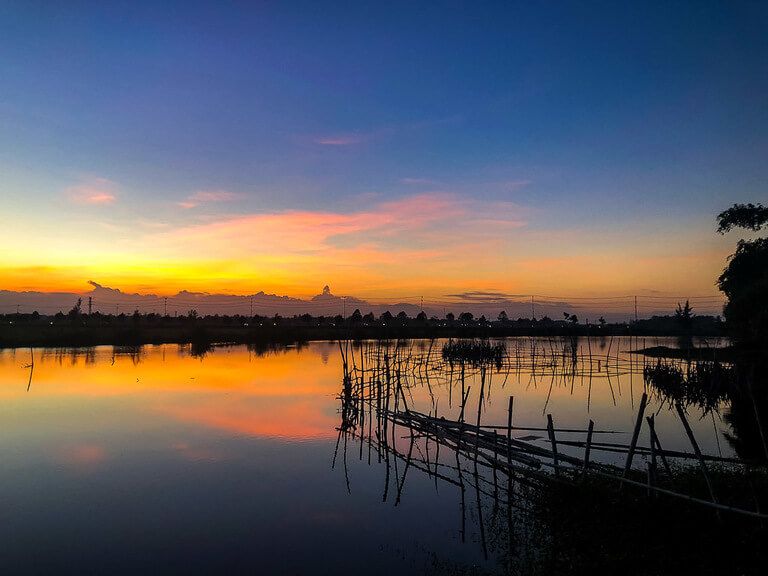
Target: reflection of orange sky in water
293 395
231 389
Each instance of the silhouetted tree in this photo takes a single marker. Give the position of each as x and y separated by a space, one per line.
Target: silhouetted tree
450 317
601 321
466 317
386 316
744 280
369 318
684 315
502 317
572 318
356 317
421 316
74 314
749 216
77 308
402 316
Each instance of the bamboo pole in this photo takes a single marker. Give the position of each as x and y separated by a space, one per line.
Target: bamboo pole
696 449
587 448
551 430
635 433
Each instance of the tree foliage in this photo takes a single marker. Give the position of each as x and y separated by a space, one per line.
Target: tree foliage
747 216
744 280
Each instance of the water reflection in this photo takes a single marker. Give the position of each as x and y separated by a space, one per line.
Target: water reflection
128 458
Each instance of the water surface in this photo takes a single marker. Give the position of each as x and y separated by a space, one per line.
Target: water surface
126 461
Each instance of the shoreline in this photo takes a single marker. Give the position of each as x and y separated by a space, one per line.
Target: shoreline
53 336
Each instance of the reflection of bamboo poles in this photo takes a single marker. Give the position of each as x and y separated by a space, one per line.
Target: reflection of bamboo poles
31 367
525 461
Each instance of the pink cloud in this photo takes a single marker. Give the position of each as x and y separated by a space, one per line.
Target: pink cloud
340 140
206 197
93 191
82 455
417 181
413 227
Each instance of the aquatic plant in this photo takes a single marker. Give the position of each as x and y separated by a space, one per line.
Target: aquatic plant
477 351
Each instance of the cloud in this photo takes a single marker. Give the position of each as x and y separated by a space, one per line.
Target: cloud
94 191
417 181
82 456
480 296
207 197
413 228
340 140
512 185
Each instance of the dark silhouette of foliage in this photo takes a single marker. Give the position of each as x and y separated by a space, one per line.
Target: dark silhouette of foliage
684 314
76 309
747 216
466 317
76 312
474 351
704 384
744 280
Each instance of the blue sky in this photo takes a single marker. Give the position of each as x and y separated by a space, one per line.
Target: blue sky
595 115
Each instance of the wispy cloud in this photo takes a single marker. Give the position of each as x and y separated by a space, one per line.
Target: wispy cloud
385 131
414 227
207 197
340 139
417 181
480 296
93 191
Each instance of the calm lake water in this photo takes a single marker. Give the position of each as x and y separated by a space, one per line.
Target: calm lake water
157 461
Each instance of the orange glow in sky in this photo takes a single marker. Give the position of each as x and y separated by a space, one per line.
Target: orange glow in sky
426 244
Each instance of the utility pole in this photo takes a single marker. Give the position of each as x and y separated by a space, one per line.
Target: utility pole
17 309
344 307
165 306
117 309
422 303
90 305
251 306
533 310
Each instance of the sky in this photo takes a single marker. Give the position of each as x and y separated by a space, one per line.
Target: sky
388 149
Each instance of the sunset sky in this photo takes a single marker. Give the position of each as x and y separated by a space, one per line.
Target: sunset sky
387 149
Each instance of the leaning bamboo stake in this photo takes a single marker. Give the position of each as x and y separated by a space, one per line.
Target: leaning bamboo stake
635 434
551 430
655 441
652 463
696 449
